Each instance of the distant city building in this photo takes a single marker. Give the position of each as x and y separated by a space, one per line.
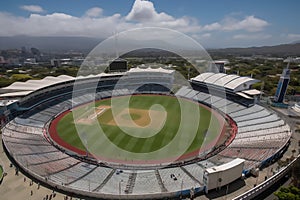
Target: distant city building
77 61
282 85
55 63
30 61
23 50
14 61
2 59
220 66
66 62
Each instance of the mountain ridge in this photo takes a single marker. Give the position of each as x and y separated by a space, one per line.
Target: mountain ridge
46 44
86 44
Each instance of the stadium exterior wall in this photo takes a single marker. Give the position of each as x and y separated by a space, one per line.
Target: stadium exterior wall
162 195
254 192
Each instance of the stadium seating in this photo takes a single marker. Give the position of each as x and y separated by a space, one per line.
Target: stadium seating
260 135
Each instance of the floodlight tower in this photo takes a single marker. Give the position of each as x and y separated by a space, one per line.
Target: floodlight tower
283 83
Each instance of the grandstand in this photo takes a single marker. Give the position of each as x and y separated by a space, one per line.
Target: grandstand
259 135
236 88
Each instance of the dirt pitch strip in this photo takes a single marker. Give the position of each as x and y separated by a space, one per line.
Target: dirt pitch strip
92 114
153 119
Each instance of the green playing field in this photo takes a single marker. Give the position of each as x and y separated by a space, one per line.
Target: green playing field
140 127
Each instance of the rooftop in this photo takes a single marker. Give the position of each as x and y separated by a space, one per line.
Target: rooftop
232 82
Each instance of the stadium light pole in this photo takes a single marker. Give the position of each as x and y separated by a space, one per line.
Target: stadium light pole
227 188
189 71
85 143
181 188
120 188
256 180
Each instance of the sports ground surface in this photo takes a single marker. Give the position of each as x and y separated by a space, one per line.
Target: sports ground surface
139 129
1 172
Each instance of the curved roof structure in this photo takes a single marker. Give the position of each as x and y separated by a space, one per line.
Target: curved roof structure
226 79
33 85
203 76
18 89
150 70
232 82
238 82
212 79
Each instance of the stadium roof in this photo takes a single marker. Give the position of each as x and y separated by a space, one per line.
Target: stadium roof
7 102
203 76
244 95
149 69
225 79
239 81
99 75
231 82
252 92
212 79
226 166
32 85
15 94
18 89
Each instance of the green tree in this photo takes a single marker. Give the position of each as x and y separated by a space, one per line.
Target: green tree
21 77
288 193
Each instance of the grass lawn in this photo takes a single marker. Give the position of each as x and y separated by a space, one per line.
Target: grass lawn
183 129
1 172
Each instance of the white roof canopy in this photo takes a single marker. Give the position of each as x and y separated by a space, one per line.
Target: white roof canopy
151 70
203 76
232 82
226 166
212 79
32 85
239 81
226 79
15 94
244 95
23 88
252 92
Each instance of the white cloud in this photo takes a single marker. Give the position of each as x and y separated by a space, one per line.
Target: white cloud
94 23
252 36
249 23
33 8
201 36
293 36
206 35
94 12
143 10
61 24
212 27
143 14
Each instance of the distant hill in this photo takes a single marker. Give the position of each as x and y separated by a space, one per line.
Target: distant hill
149 52
282 50
86 44
52 44
295 42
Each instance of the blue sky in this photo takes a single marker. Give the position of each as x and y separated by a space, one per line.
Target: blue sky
214 23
